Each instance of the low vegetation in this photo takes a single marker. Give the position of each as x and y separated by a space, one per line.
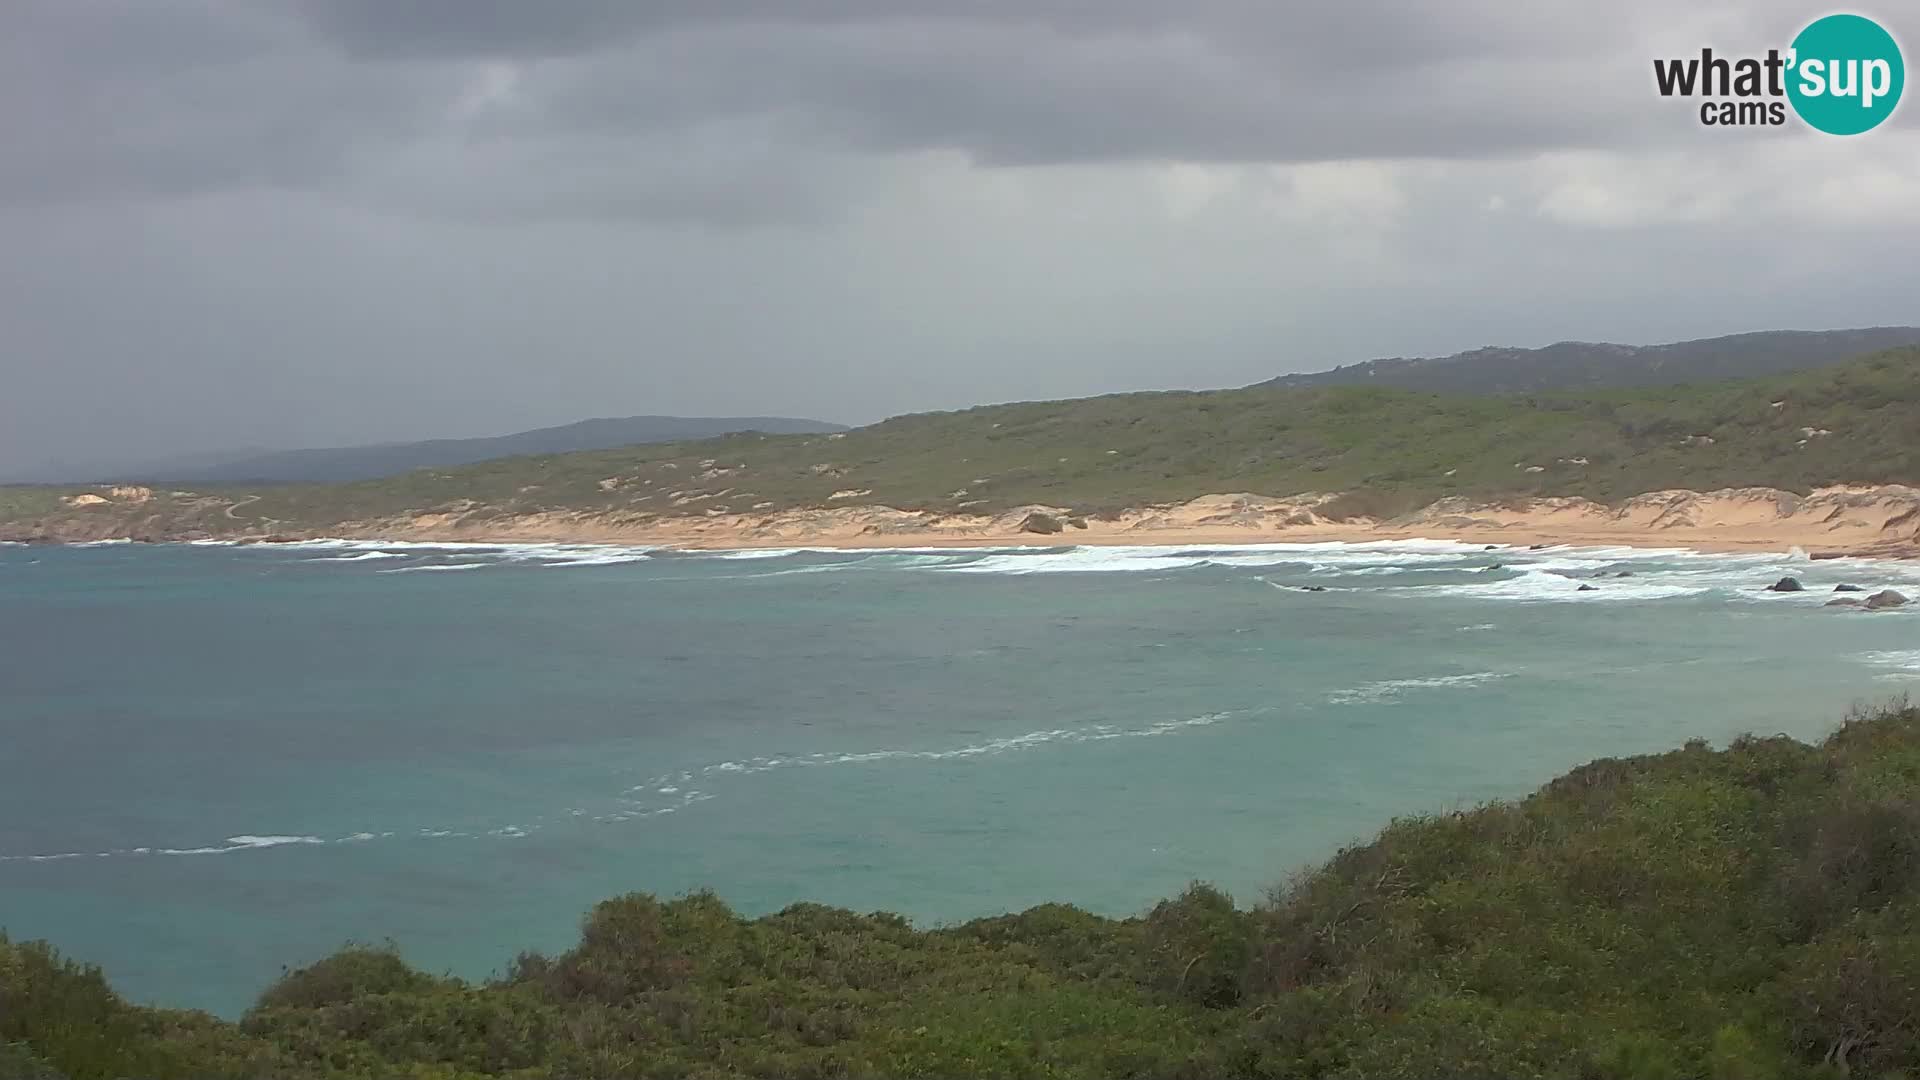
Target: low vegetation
1736 914
1851 423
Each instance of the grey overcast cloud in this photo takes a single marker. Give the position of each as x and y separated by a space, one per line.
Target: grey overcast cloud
260 223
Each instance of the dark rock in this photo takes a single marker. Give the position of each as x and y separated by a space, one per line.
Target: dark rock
1885 598
1535 547
1819 555
1844 601
1313 588
1624 573
1787 584
1848 588
1040 523
1490 547
1586 588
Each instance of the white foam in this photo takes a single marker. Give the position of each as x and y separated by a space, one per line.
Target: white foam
361 557
1391 689
1371 558
244 842
1543 586
1080 560
1905 664
989 748
598 560
441 566
272 841
335 544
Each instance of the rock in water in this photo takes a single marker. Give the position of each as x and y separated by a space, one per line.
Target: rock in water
1787 584
1586 588
1885 598
1848 588
1844 601
1040 523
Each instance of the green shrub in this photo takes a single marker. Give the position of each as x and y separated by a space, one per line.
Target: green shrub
354 971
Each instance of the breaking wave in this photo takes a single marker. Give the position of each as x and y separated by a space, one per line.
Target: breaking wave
1393 689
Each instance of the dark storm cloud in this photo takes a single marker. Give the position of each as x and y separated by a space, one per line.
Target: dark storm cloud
132 98
1042 82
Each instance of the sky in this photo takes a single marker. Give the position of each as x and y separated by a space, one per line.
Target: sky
279 223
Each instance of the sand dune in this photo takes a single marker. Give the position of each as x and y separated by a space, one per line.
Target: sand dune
1881 521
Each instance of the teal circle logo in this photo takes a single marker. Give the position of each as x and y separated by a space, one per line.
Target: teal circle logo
1845 74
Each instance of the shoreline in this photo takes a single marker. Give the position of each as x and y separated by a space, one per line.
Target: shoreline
1534 539
1836 522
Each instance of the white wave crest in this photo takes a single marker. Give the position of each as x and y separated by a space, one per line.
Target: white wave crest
441 566
1899 664
1545 586
989 748
1390 689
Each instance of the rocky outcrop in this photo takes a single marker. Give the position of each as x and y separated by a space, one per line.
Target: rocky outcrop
1045 524
1884 599
1787 584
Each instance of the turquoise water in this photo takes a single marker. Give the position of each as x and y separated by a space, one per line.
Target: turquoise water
215 761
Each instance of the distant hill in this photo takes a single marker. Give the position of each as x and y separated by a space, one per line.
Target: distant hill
1389 450
1583 365
343 464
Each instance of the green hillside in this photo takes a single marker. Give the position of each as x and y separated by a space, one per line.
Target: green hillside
1848 423
1740 914
1590 365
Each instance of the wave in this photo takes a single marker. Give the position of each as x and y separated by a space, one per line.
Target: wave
337 544
1080 560
675 785
1904 664
1532 585
1390 689
440 566
243 842
545 554
991 747
609 559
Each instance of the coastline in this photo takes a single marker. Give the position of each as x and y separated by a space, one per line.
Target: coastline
1874 522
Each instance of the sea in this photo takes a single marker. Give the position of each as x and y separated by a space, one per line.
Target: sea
218 762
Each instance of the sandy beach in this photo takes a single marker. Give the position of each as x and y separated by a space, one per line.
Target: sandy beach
1879 522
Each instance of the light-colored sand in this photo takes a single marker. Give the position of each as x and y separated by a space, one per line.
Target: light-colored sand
1880 521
